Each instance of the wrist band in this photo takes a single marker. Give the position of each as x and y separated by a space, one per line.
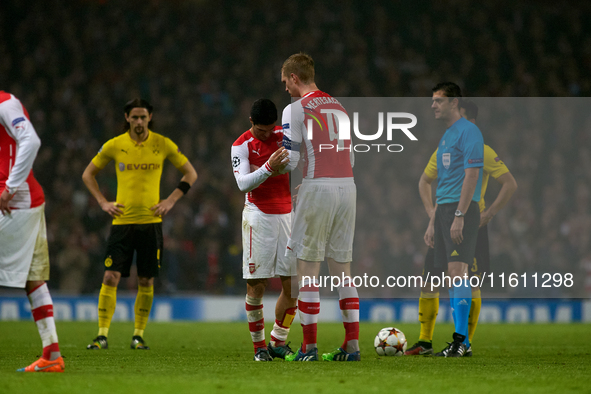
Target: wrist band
183 186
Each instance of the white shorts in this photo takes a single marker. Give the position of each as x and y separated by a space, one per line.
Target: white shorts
23 247
264 238
324 222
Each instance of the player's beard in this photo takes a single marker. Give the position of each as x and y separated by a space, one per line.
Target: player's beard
139 131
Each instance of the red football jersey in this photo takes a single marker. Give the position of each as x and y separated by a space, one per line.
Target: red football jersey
19 144
323 155
271 195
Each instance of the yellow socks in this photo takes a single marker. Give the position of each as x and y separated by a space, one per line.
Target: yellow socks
108 300
474 313
106 308
143 305
428 309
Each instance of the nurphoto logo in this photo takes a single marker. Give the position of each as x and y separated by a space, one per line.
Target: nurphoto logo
339 129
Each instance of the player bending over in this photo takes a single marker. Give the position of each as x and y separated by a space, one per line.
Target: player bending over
257 159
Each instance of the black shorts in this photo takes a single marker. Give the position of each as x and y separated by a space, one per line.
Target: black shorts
480 264
445 250
144 239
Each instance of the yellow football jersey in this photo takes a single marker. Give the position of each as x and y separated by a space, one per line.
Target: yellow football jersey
493 166
139 169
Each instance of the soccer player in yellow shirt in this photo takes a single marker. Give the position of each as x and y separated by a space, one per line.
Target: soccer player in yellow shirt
139 155
429 300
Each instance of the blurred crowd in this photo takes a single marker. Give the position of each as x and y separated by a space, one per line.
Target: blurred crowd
75 63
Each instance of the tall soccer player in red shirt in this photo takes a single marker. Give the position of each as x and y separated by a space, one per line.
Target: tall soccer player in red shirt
257 158
24 258
324 222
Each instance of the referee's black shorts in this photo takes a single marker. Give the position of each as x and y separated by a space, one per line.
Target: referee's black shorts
480 264
445 250
144 239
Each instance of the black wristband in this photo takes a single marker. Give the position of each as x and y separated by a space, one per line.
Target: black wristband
183 186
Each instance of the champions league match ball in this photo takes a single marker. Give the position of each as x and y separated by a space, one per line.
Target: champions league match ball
390 341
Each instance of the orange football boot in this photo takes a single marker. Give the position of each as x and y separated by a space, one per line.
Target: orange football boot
43 365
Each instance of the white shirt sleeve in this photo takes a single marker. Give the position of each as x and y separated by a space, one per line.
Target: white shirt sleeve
292 134
21 129
246 180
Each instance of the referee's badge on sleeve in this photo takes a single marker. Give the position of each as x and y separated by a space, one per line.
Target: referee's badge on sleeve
446 159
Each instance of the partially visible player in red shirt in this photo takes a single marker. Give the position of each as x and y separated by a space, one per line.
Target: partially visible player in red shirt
257 158
24 257
324 222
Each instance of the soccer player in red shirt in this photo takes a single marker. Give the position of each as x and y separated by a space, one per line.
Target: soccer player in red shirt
257 158
324 222
24 258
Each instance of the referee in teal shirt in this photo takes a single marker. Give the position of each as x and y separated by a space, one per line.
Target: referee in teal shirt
460 157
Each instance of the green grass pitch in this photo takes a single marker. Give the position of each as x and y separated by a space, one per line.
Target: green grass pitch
217 357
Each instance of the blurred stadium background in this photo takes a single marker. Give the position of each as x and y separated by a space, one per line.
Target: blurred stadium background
202 63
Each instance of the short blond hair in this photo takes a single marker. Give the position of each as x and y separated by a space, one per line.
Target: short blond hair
300 64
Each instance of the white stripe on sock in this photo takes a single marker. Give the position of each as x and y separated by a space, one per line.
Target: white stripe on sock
279 332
